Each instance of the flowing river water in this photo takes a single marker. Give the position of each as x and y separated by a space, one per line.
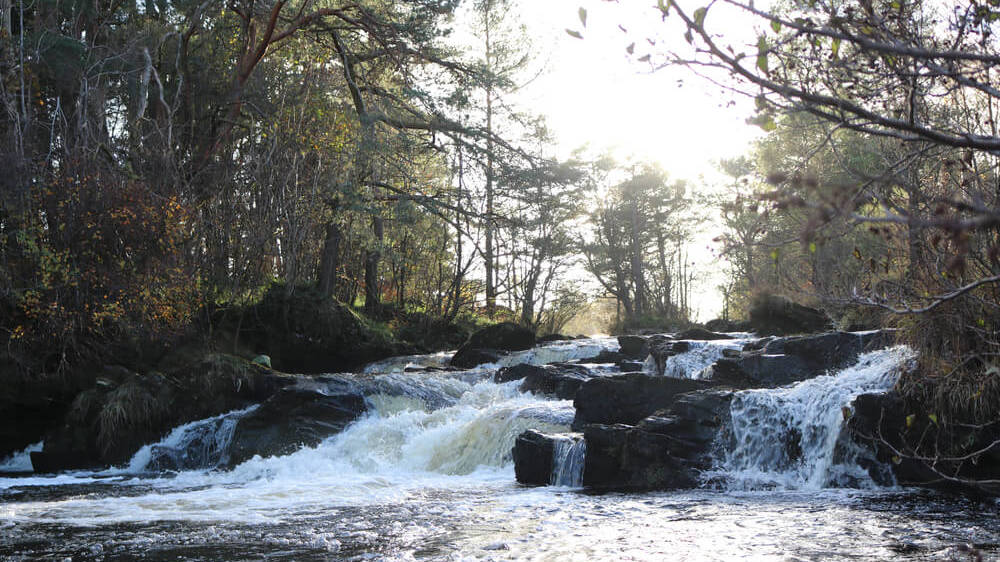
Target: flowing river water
427 474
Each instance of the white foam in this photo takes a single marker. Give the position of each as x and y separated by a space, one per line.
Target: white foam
21 460
791 437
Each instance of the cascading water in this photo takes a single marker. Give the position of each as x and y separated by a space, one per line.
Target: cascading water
199 444
20 461
696 363
426 475
569 453
791 437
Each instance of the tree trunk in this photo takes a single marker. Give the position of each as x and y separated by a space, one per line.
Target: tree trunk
329 260
373 296
491 294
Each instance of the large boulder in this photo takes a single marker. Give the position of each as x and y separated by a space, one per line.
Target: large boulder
628 398
493 340
469 357
292 419
561 380
783 361
633 347
506 336
666 450
776 315
533 453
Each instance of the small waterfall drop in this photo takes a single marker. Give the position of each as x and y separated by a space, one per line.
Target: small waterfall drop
569 452
21 461
792 437
696 362
199 444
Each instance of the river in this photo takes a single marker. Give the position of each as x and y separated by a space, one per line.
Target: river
427 475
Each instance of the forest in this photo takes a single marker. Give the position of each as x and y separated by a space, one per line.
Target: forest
208 171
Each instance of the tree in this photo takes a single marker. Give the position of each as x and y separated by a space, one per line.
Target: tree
637 227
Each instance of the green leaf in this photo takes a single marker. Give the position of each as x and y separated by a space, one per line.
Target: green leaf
664 7
573 33
846 412
910 419
933 418
699 16
762 54
776 25
835 47
896 459
583 15
812 247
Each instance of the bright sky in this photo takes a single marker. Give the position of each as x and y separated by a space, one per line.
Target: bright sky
592 93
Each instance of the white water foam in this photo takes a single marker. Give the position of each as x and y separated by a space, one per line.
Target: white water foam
21 460
791 437
385 457
557 352
696 363
400 364
199 444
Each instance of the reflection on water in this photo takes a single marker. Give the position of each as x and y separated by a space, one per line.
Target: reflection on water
484 518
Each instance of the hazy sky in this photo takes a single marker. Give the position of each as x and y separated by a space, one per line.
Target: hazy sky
592 93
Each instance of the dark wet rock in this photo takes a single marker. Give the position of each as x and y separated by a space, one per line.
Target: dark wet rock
628 398
604 357
506 336
491 343
702 334
666 450
549 338
777 315
469 357
516 372
630 366
633 347
900 433
292 419
561 380
533 452
786 360
123 410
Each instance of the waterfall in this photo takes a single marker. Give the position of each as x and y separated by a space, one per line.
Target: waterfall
568 456
199 444
793 438
696 362
21 461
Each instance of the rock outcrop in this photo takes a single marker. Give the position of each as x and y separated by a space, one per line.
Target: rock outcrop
533 452
291 419
666 450
782 361
923 449
493 341
628 398
124 410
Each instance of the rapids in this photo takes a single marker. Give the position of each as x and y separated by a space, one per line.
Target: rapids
427 474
